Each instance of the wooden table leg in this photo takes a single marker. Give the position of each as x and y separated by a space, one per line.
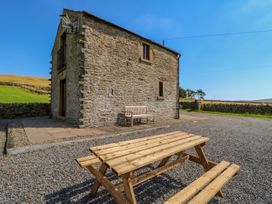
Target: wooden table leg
205 163
164 161
97 184
113 190
128 187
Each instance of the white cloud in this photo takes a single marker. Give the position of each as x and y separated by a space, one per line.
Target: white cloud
261 9
256 4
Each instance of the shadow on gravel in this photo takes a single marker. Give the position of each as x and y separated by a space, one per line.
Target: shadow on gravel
151 191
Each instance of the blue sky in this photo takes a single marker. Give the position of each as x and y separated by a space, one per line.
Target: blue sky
233 67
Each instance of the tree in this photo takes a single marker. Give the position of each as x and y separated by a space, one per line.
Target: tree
190 93
182 93
200 94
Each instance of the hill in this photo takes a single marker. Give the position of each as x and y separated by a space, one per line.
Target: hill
24 89
37 85
268 100
33 81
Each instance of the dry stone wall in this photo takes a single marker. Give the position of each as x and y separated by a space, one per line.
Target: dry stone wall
21 110
33 89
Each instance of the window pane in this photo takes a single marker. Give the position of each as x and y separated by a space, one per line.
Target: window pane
146 50
161 89
62 52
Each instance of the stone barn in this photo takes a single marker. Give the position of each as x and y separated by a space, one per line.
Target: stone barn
98 68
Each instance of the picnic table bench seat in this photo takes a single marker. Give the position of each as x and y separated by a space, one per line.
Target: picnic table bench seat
203 189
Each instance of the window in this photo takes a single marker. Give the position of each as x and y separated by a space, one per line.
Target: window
161 89
62 52
62 97
146 52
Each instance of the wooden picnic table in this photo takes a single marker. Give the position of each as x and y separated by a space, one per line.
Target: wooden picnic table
125 157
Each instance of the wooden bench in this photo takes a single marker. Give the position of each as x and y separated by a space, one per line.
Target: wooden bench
207 186
134 112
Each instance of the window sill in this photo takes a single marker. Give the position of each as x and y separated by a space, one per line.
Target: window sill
145 61
160 98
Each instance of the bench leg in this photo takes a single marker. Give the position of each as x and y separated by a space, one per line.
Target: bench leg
96 185
128 187
131 121
205 163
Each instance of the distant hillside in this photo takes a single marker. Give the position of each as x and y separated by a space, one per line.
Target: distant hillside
37 85
24 89
268 100
34 81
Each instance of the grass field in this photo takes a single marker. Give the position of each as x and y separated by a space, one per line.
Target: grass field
233 114
12 94
227 102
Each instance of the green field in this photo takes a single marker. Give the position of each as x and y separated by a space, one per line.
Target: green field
233 114
12 94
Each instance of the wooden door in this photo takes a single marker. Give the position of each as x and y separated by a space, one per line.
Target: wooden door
62 103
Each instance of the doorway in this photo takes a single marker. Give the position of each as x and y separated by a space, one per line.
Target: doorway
62 104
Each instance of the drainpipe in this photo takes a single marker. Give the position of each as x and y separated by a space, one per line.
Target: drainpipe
177 105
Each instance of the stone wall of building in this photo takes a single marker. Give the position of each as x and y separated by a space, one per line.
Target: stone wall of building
114 76
71 73
21 110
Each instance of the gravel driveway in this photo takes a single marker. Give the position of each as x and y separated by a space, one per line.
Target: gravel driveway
52 176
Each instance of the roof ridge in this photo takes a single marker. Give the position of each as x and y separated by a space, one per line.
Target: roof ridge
124 29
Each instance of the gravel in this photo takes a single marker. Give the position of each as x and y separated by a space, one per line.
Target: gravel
52 176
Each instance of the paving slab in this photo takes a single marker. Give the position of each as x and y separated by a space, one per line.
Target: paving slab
43 129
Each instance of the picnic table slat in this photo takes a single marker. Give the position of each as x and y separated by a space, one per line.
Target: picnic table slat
118 144
137 144
87 161
139 154
146 146
128 164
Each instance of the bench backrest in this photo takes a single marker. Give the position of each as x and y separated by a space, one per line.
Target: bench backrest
136 110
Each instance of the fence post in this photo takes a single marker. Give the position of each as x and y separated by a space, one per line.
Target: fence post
198 105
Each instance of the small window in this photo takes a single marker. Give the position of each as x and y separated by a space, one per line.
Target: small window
161 89
62 52
146 52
